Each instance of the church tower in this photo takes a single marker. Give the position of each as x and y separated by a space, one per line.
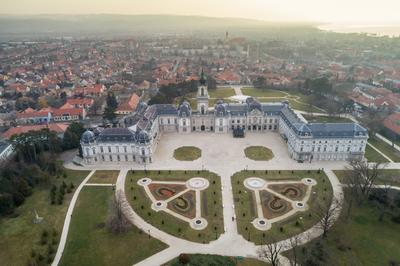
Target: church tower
202 95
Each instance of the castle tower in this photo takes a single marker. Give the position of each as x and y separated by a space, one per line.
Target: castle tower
202 95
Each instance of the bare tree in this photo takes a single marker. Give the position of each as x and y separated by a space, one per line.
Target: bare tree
327 215
383 199
294 244
363 177
270 252
117 222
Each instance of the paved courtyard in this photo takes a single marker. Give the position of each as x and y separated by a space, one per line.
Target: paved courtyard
223 155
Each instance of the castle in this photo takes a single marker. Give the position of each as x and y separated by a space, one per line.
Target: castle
137 141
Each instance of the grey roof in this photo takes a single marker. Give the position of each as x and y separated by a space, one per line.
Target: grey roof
87 137
116 134
4 145
185 109
166 109
337 130
221 108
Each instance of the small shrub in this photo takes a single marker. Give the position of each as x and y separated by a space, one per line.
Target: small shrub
184 259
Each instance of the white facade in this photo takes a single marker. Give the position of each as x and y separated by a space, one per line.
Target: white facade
305 141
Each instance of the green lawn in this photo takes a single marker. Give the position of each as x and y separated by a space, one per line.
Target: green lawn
221 93
374 156
268 100
361 239
243 205
258 153
203 259
301 106
211 204
387 176
388 150
187 153
104 176
262 92
19 235
90 243
327 119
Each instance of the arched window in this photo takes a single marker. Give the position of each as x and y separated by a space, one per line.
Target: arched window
202 109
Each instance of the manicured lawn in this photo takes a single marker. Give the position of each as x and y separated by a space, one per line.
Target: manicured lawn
373 156
326 119
203 259
104 176
387 176
245 204
301 106
361 239
262 92
221 93
258 153
19 235
211 204
90 243
388 150
270 100
187 153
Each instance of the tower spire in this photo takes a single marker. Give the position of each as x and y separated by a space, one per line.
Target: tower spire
202 77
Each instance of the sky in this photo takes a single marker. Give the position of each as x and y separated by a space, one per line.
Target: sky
371 12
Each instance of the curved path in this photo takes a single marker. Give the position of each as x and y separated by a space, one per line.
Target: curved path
230 243
67 221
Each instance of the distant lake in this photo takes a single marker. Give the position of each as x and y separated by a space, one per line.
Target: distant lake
374 30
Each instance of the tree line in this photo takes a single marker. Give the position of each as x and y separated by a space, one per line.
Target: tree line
34 163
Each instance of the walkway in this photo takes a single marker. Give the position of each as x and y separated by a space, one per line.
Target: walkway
224 162
379 136
67 221
230 243
381 153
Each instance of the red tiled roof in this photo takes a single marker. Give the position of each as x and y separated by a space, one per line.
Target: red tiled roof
80 101
392 122
129 105
68 111
59 128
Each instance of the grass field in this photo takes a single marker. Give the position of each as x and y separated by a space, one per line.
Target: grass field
201 259
211 205
90 243
19 235
244 205
221 93
104 176
258 153
361 239
187 153
374 156
388 150
387 176
326 119
262 92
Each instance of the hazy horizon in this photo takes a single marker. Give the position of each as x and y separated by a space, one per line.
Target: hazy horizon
329 11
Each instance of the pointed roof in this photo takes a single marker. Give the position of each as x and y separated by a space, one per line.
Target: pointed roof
203 79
